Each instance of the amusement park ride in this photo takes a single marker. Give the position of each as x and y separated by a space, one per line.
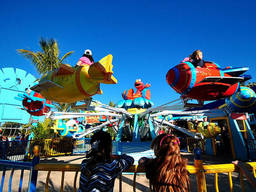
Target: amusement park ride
140 99
34 103
135 119
71 84
205 83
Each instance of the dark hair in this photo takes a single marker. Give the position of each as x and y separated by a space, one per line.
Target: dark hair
195 53
155 145
88 54
101 143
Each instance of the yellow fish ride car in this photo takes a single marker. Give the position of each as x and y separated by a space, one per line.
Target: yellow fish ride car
71 84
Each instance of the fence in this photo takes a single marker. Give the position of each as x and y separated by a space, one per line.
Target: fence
51 147
15 166
13 150
19 150
200 171
82 146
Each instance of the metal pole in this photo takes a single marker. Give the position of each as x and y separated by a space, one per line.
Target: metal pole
35 161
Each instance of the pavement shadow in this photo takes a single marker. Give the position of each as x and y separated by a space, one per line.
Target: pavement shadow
139 186
83 157
51 160
52 187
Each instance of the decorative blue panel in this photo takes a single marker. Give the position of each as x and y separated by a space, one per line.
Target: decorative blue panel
239 143
12 82
209 147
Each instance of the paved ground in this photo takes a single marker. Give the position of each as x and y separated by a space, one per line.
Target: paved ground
127 180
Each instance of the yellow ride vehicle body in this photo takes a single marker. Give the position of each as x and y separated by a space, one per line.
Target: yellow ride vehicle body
70 84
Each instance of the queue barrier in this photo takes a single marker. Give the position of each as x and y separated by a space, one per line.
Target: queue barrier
19 150
13 166
13 150
50 147
198 169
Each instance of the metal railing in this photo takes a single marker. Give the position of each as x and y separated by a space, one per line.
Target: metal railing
13 167
18 150
51 147
199 170
82 146
13 150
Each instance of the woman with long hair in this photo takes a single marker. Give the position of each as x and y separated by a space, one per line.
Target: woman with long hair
100 168
196 58
167 172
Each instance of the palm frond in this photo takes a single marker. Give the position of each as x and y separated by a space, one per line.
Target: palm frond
65 56
48 58
44 45
30 55
55 49
33 57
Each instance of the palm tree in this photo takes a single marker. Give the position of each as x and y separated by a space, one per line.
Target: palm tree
43 129
48 58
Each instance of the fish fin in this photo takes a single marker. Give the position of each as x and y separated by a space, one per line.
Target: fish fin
228 80
102 71
44 85
65 69
235 72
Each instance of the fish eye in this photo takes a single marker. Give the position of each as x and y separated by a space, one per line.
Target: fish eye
88 52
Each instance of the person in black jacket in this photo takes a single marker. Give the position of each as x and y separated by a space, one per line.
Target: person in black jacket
196 58
100 169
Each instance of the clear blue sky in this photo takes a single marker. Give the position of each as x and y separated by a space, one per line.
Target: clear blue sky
146 38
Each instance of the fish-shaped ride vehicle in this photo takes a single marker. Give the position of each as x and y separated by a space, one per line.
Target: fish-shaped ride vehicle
206 83
71 84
